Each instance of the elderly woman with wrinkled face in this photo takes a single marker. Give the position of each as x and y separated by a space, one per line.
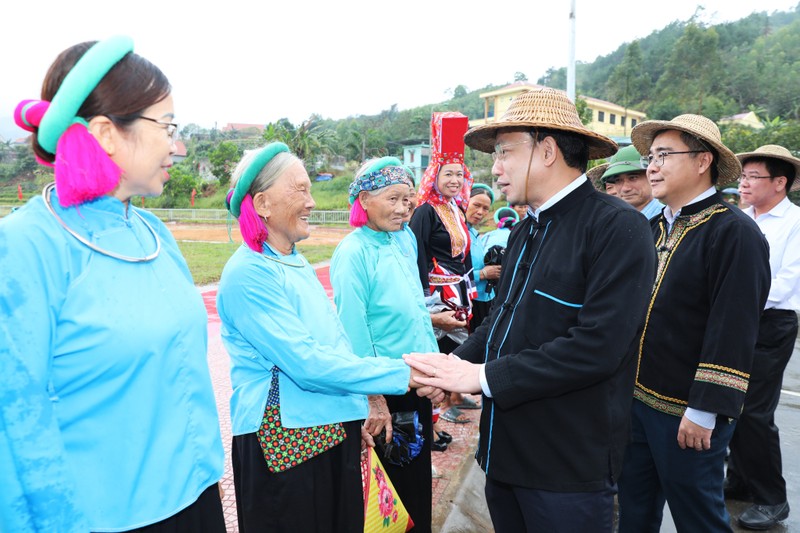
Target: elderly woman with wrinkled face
293 371
379 299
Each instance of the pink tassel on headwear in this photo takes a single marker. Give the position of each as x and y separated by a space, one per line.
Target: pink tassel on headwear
254 232
358 217
28 115
84 171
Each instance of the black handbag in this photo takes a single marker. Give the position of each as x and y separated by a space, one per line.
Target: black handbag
407 439
494 256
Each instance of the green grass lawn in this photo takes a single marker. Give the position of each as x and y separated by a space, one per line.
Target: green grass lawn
207 259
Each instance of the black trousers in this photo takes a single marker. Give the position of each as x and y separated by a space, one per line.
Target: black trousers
755 449
203 516
413 481
322 495
521 510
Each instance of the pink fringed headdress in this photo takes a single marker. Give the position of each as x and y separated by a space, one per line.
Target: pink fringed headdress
83 170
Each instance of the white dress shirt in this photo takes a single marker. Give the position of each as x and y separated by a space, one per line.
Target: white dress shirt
781 227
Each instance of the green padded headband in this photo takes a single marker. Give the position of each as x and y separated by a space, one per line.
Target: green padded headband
484 187
78 84
253 169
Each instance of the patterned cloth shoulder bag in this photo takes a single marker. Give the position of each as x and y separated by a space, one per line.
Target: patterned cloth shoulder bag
284 447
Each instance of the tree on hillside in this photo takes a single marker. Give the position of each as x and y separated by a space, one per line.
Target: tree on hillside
460 91
520 76
223 160
629 84
743 32
693 71
555 78
766 72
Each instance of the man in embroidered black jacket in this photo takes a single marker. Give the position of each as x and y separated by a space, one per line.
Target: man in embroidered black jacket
555 359
696 350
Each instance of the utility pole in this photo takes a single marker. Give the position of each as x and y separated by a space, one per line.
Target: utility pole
571 58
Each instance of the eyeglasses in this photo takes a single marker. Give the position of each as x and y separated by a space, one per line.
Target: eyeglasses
744 178
658 159
500 149
171 128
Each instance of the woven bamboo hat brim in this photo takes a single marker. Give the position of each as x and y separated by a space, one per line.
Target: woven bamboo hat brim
774 151
699 126
595 175
541 108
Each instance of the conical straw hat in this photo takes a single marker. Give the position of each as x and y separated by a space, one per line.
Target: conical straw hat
699 126
774 151
541 108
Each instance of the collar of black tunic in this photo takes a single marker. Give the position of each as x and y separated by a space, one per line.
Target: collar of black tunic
698 206
565 204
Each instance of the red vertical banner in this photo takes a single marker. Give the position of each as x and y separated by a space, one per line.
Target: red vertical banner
194 193
19 191
142 202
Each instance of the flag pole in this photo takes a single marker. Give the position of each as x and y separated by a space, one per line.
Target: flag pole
571 58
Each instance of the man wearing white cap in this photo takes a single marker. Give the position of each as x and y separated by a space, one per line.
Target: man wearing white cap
696 349
755 465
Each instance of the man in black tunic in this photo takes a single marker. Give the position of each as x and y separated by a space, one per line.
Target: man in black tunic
555 358
697 347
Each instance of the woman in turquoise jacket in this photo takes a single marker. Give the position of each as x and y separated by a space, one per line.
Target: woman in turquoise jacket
291 361
107 414
379 299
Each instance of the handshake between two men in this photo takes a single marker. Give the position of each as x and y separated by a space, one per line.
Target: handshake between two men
434 373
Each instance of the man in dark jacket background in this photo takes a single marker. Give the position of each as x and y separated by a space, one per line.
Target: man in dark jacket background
555 359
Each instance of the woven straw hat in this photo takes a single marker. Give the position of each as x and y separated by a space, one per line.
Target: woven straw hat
774 151
541 108
627 160
595 175
700 127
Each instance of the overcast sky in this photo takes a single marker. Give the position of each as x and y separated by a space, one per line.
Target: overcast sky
259 61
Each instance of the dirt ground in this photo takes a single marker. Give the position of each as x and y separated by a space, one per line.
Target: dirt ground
219 233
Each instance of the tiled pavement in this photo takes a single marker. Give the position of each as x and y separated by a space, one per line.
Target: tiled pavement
448 465
458 504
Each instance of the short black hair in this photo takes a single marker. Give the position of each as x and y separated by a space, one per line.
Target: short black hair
695 143
776 168
573 146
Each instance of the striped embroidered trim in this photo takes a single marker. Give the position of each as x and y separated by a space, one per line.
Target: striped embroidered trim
725 369
659 404
723 379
